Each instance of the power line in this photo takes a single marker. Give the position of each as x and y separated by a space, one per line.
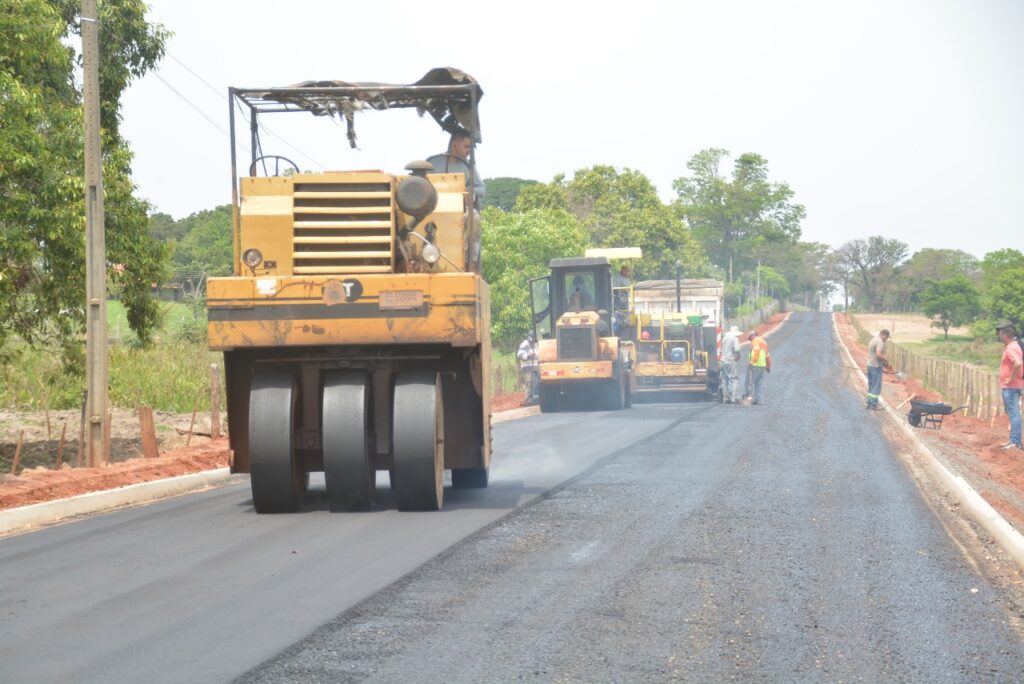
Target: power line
264 126
191 104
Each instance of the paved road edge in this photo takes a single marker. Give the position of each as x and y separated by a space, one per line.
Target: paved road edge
24 518
1002 532
27 518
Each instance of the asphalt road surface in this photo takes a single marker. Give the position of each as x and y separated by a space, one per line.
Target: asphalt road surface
703 542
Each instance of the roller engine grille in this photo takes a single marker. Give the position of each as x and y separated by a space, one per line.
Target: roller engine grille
343 228
576 344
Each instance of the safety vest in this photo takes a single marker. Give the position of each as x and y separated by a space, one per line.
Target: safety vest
758 352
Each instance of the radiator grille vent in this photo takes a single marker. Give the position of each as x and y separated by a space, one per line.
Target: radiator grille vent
343 228
576 344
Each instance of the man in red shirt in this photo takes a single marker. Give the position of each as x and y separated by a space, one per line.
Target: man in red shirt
1011 380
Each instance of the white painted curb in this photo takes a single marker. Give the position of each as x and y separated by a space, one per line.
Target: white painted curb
1002 532
48 512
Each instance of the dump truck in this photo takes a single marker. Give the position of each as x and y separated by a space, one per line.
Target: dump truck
582 362
355 326
676 327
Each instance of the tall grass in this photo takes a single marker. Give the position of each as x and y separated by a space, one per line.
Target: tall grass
172 375
504 373
961 348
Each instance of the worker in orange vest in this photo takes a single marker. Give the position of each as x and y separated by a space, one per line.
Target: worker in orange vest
760 364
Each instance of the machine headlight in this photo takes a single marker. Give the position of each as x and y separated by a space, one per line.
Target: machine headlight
431 253
252 257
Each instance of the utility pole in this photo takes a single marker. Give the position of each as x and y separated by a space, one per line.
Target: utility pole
95 245
679 298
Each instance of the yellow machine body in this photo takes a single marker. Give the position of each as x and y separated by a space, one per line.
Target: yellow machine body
334 290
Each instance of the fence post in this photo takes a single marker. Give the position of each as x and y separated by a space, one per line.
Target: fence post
214 402
148 433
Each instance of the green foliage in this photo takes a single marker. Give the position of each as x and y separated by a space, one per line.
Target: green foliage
994 263
163 228
927 265
169 375
952 302
207 243
735 217
504 373
622 209
42 249
517 247
774 283
550 196
503 192
1005 296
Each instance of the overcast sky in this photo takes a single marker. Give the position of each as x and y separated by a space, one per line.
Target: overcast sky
903 118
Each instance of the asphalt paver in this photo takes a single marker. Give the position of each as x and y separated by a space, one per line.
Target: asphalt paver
780 542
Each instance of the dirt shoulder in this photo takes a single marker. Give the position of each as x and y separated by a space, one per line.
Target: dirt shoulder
967 446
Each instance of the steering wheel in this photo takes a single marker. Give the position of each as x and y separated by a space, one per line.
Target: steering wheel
278 159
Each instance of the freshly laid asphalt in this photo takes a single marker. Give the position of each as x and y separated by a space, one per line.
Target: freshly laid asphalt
702 542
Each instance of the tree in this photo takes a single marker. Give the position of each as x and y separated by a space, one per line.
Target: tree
163 228
1005 296
516 247
622 209
42 247
773 283
872 265
931 264
207 244
542 196
734 216
952 302
503 192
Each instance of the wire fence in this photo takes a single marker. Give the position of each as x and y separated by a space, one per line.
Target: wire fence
960 384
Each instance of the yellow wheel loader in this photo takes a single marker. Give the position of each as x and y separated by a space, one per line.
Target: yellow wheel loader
583 362
355 327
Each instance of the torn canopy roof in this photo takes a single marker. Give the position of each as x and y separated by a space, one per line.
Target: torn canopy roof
446 94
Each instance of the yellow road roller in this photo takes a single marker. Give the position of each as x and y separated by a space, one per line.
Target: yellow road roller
355 326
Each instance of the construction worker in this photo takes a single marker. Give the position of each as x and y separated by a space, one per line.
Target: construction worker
529 369
760 364
730 374
876 363
1011 380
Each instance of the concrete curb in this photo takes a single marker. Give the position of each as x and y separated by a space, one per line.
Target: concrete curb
47 512
26 518
1002 532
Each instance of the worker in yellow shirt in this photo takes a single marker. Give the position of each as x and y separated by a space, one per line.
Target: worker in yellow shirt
760 364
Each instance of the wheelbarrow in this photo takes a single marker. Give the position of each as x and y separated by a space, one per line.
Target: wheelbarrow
929 414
